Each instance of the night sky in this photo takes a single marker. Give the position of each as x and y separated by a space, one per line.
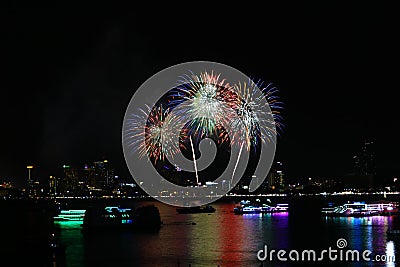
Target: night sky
67 78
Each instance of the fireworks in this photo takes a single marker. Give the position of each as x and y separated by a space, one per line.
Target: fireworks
207 105
206 98
259 112
152 133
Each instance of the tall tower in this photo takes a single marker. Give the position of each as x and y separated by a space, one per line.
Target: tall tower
30 184
30 167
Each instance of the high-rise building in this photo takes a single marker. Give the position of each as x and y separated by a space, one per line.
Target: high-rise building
88 177
69 184
33 188
52 186
363 173
30 183
101 175
276 175
364 161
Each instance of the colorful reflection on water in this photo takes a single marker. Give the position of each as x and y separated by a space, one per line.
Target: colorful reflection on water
366 233
225 239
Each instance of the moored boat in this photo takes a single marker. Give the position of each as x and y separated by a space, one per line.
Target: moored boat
360 209
70 215
146 218
246 207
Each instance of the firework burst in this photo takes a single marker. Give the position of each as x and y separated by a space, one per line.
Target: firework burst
152 133
209 99
204 105
259 113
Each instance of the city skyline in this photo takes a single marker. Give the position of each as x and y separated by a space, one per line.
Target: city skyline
67 85
362 175
358 166
240 135
99 179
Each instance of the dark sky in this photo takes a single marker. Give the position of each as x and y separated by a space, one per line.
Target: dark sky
67 78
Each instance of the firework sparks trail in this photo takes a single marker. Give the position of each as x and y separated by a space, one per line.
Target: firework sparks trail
237 161
194 161
223 105
252 107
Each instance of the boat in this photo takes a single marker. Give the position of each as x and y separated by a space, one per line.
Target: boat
246 207
145 218
198 209
70 215
360 209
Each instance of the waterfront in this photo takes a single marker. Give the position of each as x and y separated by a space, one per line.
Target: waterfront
221 238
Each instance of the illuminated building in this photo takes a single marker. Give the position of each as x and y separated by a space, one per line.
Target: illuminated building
275 177
82 181
6 189
363 173
30 184
364 161
98 175
53 186
88 176
102 175
33 185
69 184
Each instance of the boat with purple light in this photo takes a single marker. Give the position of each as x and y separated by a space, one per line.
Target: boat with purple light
246 207
360 209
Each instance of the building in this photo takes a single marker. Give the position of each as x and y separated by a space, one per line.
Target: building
364 161
33 186
53 186
69 184
276 177
98 176
363 173
101 175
